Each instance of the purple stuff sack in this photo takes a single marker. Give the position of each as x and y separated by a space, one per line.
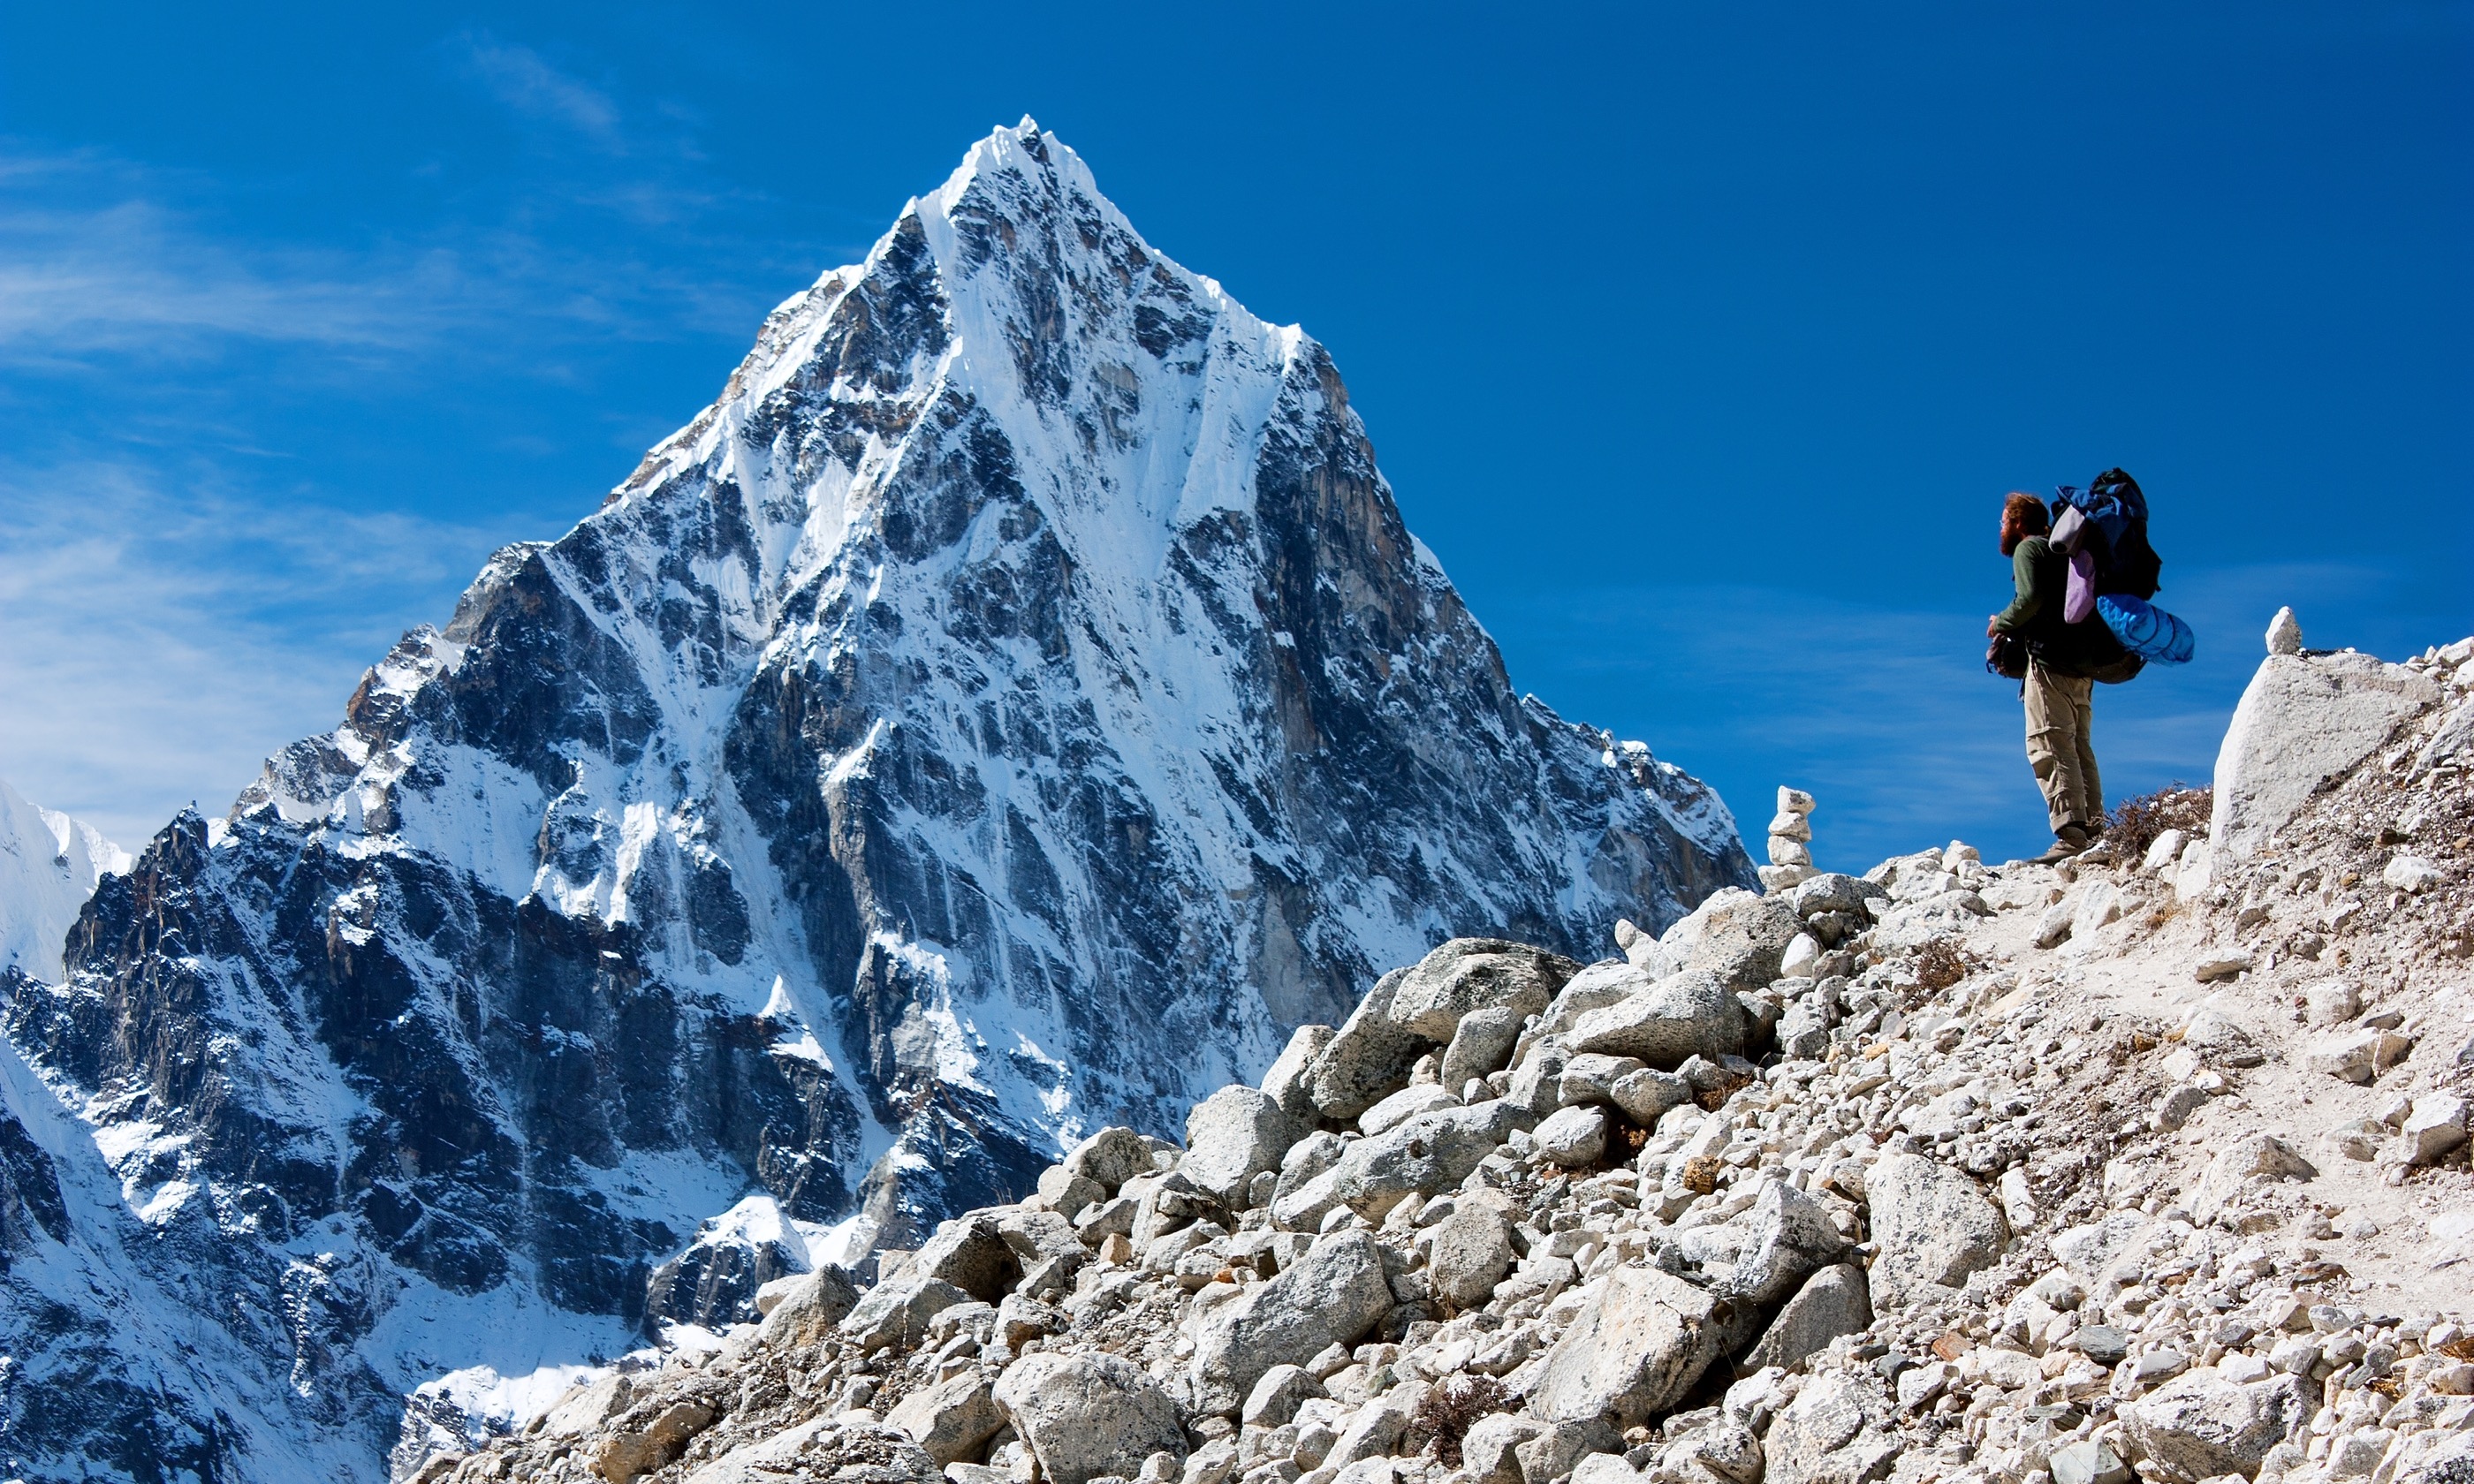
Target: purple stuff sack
2078 593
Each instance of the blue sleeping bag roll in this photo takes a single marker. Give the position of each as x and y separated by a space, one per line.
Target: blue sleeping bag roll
2144 628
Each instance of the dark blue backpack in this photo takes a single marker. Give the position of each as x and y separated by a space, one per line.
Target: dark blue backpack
2107 521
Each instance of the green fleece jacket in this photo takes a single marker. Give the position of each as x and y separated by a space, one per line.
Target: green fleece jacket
2036 571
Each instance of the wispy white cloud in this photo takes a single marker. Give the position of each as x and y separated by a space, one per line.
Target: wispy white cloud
130 274
638 161
171 607
88 285
527 84
157 641
102 260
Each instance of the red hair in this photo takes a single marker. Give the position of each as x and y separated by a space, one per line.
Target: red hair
2025 514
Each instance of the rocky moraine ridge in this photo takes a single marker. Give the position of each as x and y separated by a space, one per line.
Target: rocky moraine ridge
1009 709
2152 1166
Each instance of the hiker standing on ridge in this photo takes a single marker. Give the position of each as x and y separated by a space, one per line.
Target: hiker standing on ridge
2057 687
2080 619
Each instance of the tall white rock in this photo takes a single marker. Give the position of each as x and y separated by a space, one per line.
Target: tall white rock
2303 721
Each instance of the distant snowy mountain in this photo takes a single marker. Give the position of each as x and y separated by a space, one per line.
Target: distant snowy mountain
49 865
1011 708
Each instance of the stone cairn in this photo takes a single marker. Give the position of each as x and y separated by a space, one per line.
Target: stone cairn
1790 841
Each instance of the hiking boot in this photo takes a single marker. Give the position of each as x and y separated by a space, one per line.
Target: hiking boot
2069 842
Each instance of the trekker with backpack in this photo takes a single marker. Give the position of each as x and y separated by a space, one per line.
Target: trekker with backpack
2057 689
2080 616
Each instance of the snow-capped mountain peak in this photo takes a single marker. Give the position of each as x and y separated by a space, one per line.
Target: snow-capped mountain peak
1012 708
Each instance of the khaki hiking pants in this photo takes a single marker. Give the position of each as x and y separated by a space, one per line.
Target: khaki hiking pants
2061 748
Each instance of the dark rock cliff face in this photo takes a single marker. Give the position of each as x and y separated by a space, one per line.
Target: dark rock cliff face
1011 708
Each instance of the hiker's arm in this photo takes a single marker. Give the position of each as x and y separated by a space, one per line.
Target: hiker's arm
2023 575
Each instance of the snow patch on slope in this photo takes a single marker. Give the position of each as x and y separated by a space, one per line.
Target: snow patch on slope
49 865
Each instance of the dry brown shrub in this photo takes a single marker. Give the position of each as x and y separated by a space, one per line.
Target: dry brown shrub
1943 962
1450 1407
2133 824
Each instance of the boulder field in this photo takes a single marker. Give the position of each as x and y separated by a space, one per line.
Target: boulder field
2152 1164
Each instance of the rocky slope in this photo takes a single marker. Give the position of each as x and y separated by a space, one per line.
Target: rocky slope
2151 1164
1009 709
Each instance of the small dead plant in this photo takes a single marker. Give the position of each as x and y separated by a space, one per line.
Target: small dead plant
1941 962
1451 1408
2133 824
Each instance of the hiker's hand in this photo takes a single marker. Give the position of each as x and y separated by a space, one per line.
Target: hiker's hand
1989 625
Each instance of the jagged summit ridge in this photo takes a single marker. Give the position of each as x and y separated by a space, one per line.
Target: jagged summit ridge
1014 388
1008 710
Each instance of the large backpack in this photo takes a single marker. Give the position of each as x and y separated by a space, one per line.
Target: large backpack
2107 522
2102 530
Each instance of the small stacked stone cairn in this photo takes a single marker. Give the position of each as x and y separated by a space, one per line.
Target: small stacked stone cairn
1790 841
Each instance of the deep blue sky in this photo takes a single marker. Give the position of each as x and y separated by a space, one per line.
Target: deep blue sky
1699 343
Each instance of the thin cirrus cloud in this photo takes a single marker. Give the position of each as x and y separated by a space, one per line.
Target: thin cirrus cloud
642 164
528 85
106 257
183 589
157 641
178 595
130 275
102 263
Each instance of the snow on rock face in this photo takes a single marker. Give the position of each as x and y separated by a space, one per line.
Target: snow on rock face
49 865
1010 709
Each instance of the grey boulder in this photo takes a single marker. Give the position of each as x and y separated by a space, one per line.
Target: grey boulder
1290 1082
1932 1225
2203 1423
812 1310
1470 1253
1231 1137
1560 1449
2303 720
1833 1301
1482 1043
1404 1105
1573 1136
1331 1296
1831 891
1594 987
1274 1400
1111 1158
1742 941
1428 1153
1647 1096
1308 1160
1367 1058
1692 1014
1789 1237
1088 1416
1808 1439
1634 1350
1068 1193
952 1420
897 1314
1592 1077
971 1253
2249 1161
1476 973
